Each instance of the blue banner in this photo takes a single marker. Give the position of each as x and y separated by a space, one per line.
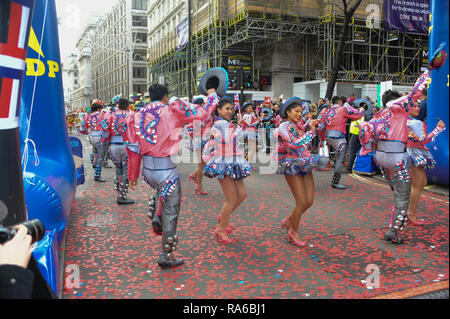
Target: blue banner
183 34
407 15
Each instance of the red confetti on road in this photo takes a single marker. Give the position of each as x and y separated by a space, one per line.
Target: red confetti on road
116 250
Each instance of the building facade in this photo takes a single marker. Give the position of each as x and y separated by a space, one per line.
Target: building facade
278 44
82 97
119 51
163 18
71 81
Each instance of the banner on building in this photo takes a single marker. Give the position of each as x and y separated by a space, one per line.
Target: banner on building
183 34
407 16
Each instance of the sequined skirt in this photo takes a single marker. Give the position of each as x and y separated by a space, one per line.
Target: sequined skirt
295 166
421 158
234 166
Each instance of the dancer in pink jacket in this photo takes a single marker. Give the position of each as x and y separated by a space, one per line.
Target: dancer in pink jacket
226 163
387 133
117 128
97 123
157 128
334 121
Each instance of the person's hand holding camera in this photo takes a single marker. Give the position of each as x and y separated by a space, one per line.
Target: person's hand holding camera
18 250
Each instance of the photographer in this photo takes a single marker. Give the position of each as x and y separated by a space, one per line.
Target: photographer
16 282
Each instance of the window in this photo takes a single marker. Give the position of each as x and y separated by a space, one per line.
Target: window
139 21
139 73
140 4
139 55
139 37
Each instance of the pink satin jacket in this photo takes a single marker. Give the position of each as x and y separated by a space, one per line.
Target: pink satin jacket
118 122
97 121
390 123
335 118
157 127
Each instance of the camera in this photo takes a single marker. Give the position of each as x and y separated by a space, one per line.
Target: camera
35 229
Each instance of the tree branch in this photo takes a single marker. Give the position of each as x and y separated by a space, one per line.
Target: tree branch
342 9
355 6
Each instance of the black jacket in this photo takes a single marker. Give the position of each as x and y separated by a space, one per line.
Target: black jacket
15 282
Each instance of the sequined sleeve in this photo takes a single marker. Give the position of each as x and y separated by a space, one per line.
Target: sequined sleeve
434 133
352 113
187 112
289 137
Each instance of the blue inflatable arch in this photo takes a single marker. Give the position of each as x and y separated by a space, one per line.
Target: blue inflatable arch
438 95
49 172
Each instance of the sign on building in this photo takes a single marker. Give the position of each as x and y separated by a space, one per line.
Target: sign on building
183 34
407 16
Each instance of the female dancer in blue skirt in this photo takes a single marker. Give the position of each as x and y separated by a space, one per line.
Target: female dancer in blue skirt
227 164
296 163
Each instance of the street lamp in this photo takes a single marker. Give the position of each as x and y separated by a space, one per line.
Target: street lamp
189 52
96 85
127 51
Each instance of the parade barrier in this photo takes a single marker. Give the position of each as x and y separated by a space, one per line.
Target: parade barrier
438 96
48 165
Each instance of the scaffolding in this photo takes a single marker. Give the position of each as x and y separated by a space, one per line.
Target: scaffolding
372 54
253 28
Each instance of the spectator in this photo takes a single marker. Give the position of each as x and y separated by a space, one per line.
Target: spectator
276 110
313 110
16 282
354 143
423 106
320 102
315 144
326 104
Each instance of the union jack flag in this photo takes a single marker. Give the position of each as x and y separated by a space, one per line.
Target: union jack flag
15 21
236 101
